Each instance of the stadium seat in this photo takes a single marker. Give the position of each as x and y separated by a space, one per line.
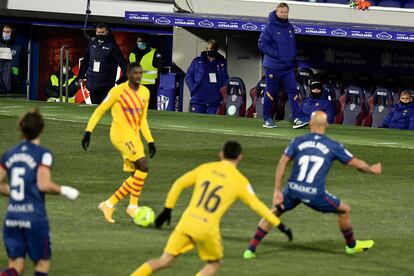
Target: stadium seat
378 106
352 111
305 77
390 4
257 95
236 97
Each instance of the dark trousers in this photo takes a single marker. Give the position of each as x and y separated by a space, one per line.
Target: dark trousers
98 94
204 108
153 95
273 79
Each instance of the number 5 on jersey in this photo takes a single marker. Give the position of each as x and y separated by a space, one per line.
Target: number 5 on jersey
17 183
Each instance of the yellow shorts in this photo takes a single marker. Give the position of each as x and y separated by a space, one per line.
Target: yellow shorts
130 147
208 250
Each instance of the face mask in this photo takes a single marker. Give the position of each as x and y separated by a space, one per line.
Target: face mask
212 53
405 104
6 37
101 38
315 95
142 45
64 70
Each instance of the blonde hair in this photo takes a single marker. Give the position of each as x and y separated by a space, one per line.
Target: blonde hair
282 5
406 93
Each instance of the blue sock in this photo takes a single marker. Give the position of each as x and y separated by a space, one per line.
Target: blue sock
40 274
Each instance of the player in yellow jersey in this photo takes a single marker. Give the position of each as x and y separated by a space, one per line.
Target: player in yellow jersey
217 185
129 106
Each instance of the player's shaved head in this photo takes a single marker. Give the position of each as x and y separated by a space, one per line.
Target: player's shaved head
318 122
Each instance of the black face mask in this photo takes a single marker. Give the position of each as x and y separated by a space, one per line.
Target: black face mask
405 104
212 53
101 38
315 96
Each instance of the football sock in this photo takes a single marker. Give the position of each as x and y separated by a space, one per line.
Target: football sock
9 272
40 274
143 270
132 185
257 238
199 274
136 183
349 237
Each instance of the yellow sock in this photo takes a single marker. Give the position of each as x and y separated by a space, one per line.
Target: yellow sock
136 184
198 274
143 270
118 195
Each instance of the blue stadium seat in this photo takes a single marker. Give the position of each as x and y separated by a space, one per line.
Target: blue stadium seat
390 3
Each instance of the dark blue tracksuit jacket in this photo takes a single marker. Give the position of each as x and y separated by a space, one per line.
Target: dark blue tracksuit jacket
197 78
400 117
310 105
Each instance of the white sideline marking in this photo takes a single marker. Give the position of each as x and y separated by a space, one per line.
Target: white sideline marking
50 107
225 132
177 126
11 106
81 117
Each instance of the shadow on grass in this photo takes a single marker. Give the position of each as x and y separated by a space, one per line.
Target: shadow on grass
321 246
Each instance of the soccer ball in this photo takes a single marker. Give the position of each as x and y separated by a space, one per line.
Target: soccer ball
144 216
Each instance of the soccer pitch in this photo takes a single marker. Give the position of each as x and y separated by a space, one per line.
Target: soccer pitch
84 244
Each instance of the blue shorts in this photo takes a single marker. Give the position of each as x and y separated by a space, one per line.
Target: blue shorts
323 202
22 237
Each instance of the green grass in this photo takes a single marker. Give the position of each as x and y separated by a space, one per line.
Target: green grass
83 244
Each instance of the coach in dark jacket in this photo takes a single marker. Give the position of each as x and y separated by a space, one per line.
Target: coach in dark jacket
205 76
277 43
401 115
100 63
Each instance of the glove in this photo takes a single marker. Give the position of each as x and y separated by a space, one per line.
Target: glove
152 149
284 229
86 139
165 216
69 192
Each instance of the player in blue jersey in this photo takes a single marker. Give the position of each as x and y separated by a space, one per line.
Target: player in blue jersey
313 155
26 228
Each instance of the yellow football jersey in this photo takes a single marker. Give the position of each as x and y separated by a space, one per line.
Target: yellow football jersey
217 186
129 111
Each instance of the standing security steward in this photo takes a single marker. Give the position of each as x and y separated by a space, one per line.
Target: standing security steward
100 63
151 62
11 72
277 42
205 77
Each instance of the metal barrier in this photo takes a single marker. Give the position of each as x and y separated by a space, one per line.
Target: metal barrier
65 49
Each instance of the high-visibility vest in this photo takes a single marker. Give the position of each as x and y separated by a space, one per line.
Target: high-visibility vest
150 73
55 82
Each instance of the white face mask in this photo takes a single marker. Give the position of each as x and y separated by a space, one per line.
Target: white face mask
6 36
64 70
